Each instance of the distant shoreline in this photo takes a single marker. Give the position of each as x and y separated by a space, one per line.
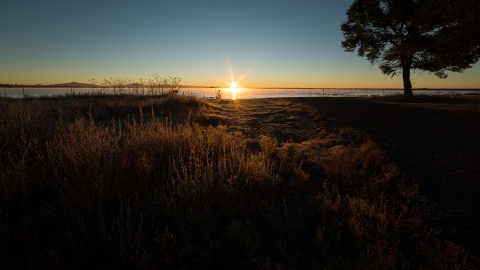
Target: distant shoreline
289 88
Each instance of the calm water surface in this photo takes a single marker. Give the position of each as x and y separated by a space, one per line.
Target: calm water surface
243 93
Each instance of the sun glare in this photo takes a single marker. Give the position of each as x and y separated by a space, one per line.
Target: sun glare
233 85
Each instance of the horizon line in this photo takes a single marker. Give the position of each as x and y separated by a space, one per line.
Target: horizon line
88 85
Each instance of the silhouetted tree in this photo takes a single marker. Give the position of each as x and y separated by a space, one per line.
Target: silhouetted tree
458 41
428 35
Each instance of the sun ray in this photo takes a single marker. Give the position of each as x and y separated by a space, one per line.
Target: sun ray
228 63
247 72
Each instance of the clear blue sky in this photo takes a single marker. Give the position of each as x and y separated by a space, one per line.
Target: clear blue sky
263 43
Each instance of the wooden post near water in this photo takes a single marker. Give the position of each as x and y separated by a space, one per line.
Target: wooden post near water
23 90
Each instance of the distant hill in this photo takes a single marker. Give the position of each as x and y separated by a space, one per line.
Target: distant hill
74 84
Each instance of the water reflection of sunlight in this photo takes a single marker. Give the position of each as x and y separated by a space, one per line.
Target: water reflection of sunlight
233 90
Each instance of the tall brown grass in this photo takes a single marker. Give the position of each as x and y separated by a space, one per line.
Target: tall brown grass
143 182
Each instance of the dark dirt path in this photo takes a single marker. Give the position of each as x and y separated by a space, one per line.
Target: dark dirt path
275 118
439 150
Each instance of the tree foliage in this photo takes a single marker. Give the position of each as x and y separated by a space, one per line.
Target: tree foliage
429 35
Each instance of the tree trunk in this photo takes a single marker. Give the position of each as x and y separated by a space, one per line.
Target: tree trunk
407 85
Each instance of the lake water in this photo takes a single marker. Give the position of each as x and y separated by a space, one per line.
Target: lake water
245 93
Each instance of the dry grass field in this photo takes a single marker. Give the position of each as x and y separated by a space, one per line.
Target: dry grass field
174 182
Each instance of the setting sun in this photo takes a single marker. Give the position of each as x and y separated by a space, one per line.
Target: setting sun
233 85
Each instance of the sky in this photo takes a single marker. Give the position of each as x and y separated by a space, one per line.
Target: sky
259 43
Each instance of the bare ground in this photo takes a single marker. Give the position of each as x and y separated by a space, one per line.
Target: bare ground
276 118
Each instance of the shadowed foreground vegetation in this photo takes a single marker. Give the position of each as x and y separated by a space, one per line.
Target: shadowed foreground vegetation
138 182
